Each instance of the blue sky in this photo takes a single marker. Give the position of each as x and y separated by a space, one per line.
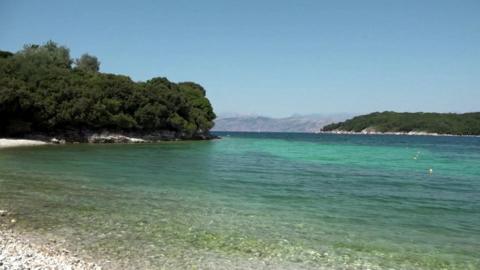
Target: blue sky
275 58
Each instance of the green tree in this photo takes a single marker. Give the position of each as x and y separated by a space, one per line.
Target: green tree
40 92
88 63
5 54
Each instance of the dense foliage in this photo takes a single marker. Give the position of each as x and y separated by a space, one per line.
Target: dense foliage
43 90
442 123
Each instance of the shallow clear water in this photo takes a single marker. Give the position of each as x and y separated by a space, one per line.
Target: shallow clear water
255 201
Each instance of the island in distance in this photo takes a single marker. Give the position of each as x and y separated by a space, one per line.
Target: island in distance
388 122
296 123
419 123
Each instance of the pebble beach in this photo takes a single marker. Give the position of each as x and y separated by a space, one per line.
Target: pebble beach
18 252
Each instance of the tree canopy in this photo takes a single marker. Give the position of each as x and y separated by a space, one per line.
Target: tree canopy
441 123
42 91
88 63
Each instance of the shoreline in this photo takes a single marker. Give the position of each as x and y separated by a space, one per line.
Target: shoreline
411 133
98 138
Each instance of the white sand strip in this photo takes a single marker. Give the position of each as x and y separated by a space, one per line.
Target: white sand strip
4 143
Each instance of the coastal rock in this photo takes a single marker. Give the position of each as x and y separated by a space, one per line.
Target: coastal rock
369 130
88 136
57 141
113 138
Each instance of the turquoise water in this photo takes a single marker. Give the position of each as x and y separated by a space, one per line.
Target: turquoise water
258 201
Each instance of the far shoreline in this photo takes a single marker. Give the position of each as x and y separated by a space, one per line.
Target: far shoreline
119 138
425 134
411 133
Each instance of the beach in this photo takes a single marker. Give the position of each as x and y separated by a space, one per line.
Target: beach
19 251
5 143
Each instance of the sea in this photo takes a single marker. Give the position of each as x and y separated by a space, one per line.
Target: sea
254 201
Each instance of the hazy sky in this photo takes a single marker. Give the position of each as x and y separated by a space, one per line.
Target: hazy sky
275 57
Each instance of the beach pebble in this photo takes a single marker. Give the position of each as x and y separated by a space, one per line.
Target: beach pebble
18 253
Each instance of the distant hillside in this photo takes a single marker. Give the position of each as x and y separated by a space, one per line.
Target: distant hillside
441 123
296 123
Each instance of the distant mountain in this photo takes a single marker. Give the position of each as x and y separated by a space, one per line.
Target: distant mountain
294 123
